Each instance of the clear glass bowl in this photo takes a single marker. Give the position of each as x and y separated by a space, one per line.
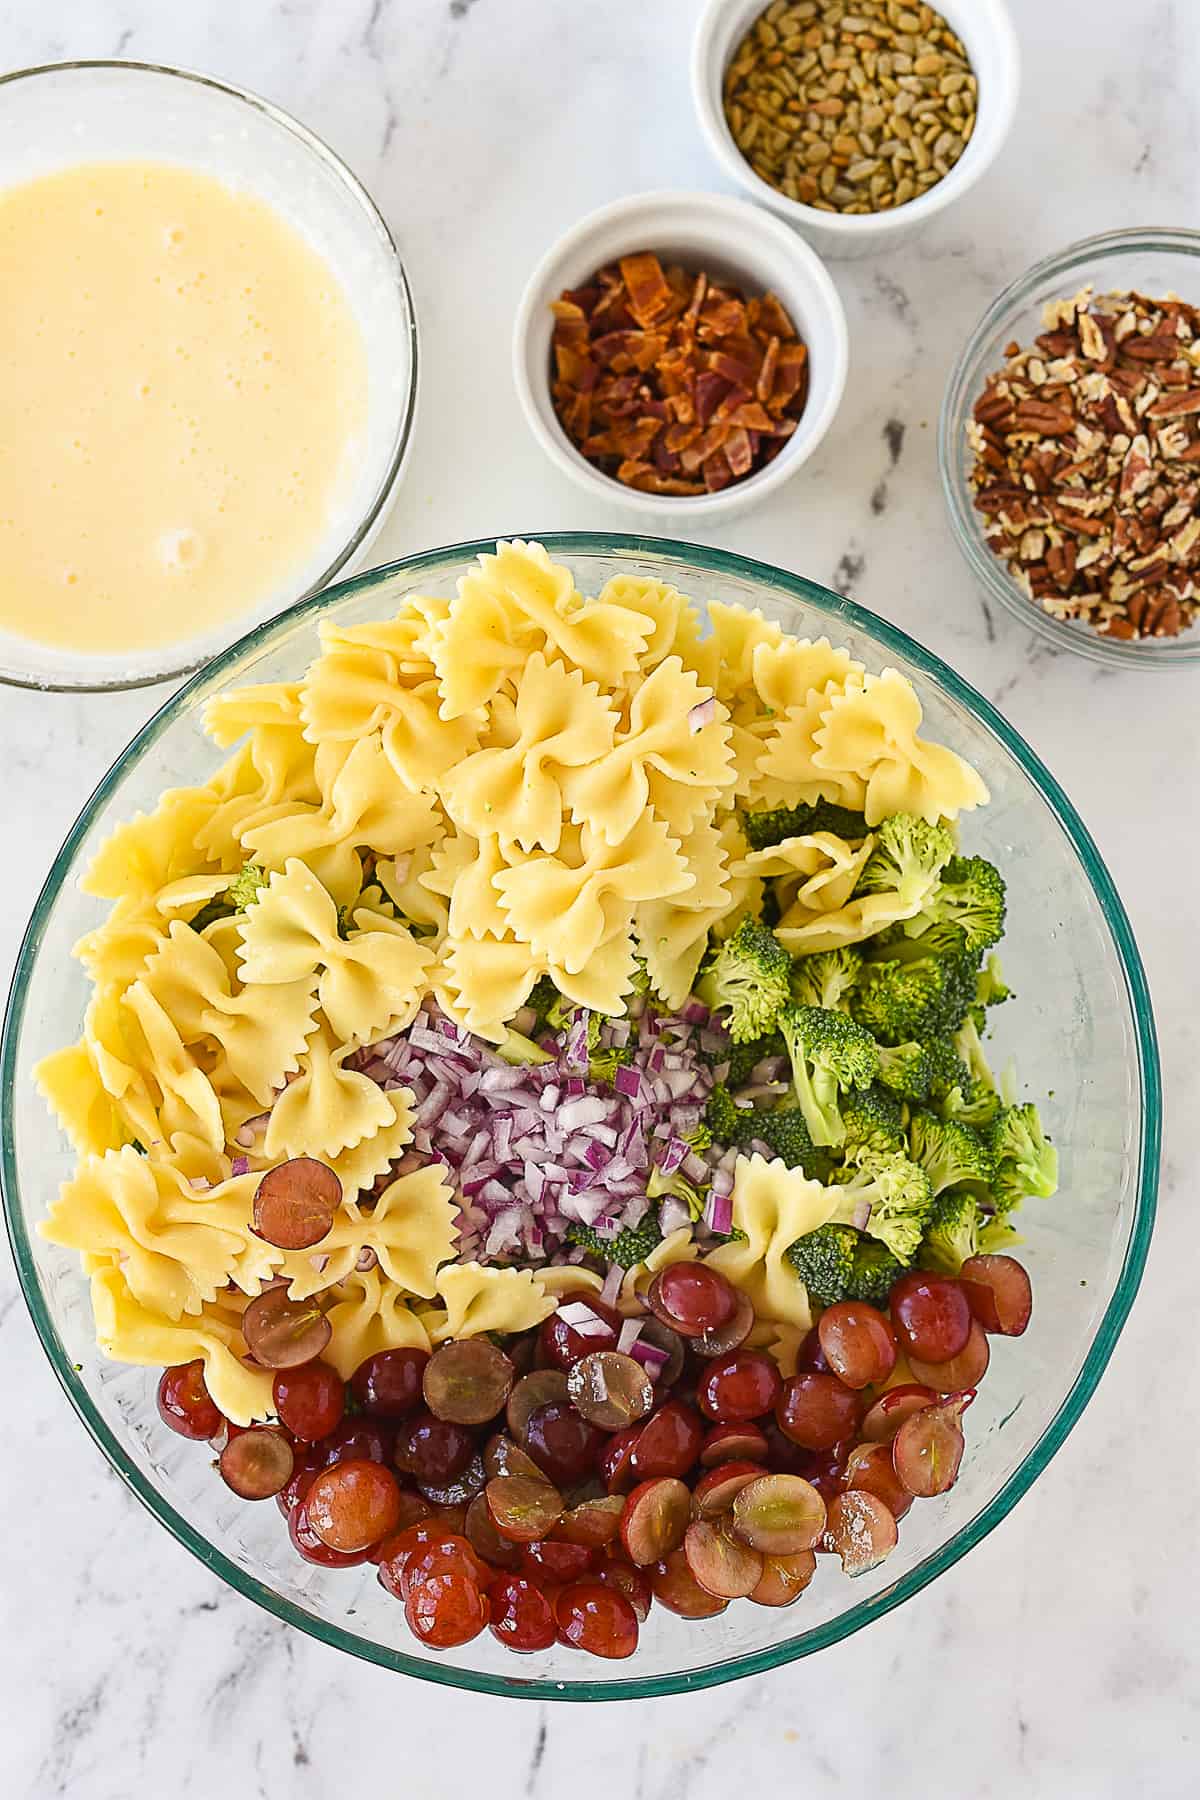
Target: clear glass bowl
66 113
1155 262
1081 1028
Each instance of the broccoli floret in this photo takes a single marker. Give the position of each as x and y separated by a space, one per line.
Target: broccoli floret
874 1120
990 988
951 1153
969 895
721 1115
246 885
630 1246
518 1050
748 979
906 1069
824 1261
899 1194
952 1232
829 1054
553 1012
997 1237
604 1062
971 1102
826 978
1026 1163
907 858
659 1186
771 827
947 1069
875 1272
909 1000
743 1059
784 1130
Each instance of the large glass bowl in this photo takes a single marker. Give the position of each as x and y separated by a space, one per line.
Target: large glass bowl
1148 261
1080 1028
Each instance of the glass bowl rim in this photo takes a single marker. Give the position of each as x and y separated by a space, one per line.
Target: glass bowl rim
889 637
402 434
962 384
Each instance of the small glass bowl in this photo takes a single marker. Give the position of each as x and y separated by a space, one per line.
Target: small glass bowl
1082 1027
62 114
1155 262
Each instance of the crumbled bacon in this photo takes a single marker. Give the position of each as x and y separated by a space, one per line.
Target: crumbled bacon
671 382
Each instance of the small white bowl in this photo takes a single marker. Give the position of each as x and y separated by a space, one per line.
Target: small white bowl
733 242
991 44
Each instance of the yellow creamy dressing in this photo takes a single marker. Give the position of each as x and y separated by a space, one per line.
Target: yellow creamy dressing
182 382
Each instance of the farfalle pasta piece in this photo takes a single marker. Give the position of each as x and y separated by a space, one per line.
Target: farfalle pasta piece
787 771
402 879
463 872
478 1300
670 756
606 979
773 1206
672 935
108 1036
328 1108
70 1084
268 778
735 634
372 979
871 729
562 1279
817 872
409 1231
745 890
482 981
151 849
674 617
784 673
367 1315
566 906
115 953
227 717
359 1169
187 1100
129 1332
558 721
803 933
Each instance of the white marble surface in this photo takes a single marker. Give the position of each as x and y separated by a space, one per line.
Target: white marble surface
1060 1659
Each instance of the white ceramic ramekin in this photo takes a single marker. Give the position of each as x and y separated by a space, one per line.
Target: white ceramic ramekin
991 44
729 240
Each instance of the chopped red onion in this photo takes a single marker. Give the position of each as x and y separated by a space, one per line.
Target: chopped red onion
240 1165
611 1286
702 714
718 1212
652 1359
628 1336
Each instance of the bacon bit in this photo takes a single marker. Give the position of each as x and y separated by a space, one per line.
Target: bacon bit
672 383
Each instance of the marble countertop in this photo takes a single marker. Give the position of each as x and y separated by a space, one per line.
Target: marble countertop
1059 1659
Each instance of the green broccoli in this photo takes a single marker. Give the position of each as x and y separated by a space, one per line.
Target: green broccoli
721 1115
835 1262
962 1086
829 1054
784 1130
951 1153
899 1194
990 988
874 1120
243 890
997 1237
630 1246
951 1233
907 858
748 979
875 1272
604 1062
1026 1162
947 1069
518 1050
659 1186
827 977
906 1069
553 1012
969 895
972 1103
743 1059
909 1000
772 827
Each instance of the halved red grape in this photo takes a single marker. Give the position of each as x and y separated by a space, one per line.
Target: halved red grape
817 1411
426 1538
616 1460
743 1385
675 1587
308 1461
734 1443
870 1468
353 1505
467 1381
858 1342
388 1384
716 1492
481 1533
725 1567
930 1315
563 1346
522 1509
310 1400
502 1457
784 1578
258 1463
281 1333
309 1545
668 1443
434 1450
655 1518
779 1514
554 1562
928 1447
998 1292
597 1618
966 1370
610 1389
185 1404
594 1522
414 1510
810 1358
861 1529
562 1443
446 1553
295 1203
544 1387
461 1489
522 1617
732 1333
889 1412
618 1572
691 1298
371 1439
446 1610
